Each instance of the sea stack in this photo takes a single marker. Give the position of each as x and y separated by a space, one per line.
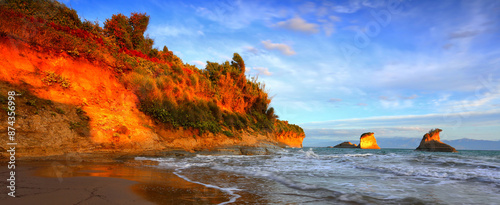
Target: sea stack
346 145
368 141
432 143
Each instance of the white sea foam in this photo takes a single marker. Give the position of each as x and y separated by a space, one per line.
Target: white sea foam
310 154
228 190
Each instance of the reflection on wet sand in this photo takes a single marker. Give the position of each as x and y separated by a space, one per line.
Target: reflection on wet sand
155 185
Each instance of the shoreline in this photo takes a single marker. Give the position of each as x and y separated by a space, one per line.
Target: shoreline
131 182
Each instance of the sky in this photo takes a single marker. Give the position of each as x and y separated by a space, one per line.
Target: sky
342 68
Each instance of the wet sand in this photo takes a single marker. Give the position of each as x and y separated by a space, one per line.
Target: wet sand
103 183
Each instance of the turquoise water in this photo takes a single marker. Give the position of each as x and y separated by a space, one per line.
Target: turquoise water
346 176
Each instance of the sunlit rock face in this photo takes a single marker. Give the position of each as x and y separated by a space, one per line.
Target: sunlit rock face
290 139
431 142
368 141
346 145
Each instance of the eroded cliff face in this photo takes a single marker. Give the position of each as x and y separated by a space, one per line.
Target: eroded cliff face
75 106
291 139
368 141
431 142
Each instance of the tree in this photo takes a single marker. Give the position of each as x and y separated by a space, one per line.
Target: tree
238 63
139 23
129 32
119 28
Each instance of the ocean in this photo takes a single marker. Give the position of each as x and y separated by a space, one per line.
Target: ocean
346 176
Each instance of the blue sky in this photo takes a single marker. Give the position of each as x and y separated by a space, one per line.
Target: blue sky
341 68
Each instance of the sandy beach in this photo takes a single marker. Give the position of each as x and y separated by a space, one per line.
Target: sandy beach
62 182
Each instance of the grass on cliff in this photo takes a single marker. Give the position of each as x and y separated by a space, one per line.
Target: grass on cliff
216 99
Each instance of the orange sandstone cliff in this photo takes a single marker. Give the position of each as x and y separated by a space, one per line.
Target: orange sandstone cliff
368 141
82 90
289 135
431 142
290 138
96 114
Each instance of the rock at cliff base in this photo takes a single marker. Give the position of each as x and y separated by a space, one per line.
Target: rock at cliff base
368 141
431 143
346 145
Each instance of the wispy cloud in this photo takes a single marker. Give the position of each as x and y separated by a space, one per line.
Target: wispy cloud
252 49
487 94
262 71
236 14
334 100
479 118
298 24
355 5
464 34
201 64
283 48
174 31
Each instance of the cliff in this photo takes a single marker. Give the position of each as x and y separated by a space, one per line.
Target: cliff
346 145
84 90
290 139
288 134
368 141
431 142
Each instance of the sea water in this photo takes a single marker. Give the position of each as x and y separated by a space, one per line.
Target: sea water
347 176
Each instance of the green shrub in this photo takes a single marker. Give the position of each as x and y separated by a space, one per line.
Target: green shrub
60 111
31 102
75 125
228 133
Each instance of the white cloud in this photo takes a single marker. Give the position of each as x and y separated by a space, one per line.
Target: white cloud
334 100
463 34
298 24
173 31
201 64
414 96
236 14
454 120
262 71
328 133
334 18
285 49
487 94
355 5
252 49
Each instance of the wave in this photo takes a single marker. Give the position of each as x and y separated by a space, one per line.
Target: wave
346 176
480 175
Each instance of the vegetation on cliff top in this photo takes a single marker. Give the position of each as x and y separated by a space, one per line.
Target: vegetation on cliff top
218 98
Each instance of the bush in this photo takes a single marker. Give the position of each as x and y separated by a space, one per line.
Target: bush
60 111
53 78
228 133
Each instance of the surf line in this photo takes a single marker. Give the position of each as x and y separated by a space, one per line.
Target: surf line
227 190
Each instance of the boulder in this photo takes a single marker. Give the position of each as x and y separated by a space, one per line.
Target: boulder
431 143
